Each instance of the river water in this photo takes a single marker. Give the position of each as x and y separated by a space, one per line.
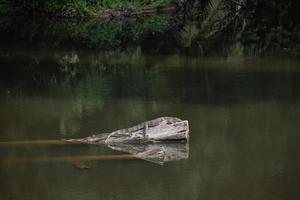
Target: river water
244 116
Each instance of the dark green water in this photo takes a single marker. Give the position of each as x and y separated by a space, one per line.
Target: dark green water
244 116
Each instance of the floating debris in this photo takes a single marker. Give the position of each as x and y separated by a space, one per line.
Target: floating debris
157 130
160 140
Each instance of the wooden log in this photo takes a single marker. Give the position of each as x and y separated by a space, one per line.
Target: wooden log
157 130
160 140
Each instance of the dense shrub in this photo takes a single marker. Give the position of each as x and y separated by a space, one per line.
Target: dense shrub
71 7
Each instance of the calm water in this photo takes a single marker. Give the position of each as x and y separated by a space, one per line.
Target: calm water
244 116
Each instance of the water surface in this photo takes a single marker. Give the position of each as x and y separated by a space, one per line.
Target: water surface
244 118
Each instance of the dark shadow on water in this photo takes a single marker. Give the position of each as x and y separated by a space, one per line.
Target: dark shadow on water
170 78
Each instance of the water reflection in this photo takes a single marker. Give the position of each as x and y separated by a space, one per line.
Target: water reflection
158 153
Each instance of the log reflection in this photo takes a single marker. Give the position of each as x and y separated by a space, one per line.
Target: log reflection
158 153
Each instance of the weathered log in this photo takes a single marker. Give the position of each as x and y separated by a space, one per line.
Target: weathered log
157 130
160 140
160 129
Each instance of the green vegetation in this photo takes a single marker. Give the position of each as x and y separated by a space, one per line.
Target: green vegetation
72 7
51 33
201 27
243 26
273 27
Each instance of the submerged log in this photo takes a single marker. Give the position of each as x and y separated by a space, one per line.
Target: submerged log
160 140
157 130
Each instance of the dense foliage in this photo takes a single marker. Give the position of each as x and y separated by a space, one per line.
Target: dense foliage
72 7
244 26
273 26
236 27
115 34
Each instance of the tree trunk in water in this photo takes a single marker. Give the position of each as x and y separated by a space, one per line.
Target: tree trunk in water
157 130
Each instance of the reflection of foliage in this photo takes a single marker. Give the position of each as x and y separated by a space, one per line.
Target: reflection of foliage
128 69
76 85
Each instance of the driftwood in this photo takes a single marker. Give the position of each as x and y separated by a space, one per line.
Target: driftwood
149 140
157 130
160 140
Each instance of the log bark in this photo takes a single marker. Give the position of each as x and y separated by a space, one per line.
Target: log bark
160 140
157 130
